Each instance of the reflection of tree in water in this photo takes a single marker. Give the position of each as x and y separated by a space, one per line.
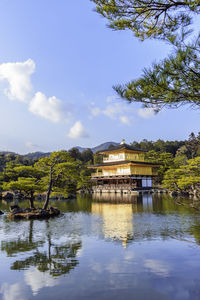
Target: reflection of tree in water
56 259
21 245
195 231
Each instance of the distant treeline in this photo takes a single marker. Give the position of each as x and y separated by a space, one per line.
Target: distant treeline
190 147
31 158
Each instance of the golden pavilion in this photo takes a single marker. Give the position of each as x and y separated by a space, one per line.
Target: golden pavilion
123 169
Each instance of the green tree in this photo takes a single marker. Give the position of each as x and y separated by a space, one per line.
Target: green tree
182 151
146 145
192 145
171 178
75 153
60 171
180 160
9 171
159 145
148 19
24 179
84 182
87 156
175 80
10 157
170 83
184 178
2 161
98 158
165 160
26 185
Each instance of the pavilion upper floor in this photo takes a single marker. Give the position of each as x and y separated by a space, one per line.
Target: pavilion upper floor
124 168
123 155
123 152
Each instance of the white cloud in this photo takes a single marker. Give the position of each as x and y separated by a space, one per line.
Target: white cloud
31 145
37 280
95 111
146 112
114 267
110 99
97 267
125 119
114 110
17 76
51 108
77 131
158 267
12 291
129 255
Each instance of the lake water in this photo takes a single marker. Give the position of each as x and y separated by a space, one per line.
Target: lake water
104 248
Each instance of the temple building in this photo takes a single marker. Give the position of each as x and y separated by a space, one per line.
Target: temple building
123 169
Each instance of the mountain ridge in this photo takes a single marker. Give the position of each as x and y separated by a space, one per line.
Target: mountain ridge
39 154
100 147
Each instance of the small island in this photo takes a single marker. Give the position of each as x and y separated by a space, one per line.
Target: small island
17 213
57 174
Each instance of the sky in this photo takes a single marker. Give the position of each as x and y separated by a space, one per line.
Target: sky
58 63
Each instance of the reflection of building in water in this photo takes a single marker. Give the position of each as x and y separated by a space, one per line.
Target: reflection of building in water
114 197
117 220
147 201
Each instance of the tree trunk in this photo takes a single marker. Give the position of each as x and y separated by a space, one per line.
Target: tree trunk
178 188
32 201
49 190
194 190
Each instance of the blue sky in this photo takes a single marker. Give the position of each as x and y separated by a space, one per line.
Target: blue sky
58 63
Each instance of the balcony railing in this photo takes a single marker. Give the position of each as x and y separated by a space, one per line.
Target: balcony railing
107 159
123 158
96 174
114 186
110 174
93 175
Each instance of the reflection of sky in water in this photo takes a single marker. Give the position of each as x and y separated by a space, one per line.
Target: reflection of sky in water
156 266
13 291
37 280
161 259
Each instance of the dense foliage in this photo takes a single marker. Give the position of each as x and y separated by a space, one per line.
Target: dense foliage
57 173
185 178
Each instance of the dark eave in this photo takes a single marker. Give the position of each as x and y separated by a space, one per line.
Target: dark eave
124 162
123 146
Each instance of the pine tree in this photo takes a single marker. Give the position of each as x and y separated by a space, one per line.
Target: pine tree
175 80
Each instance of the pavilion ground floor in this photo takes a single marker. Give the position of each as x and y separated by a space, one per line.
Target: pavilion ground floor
121 184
